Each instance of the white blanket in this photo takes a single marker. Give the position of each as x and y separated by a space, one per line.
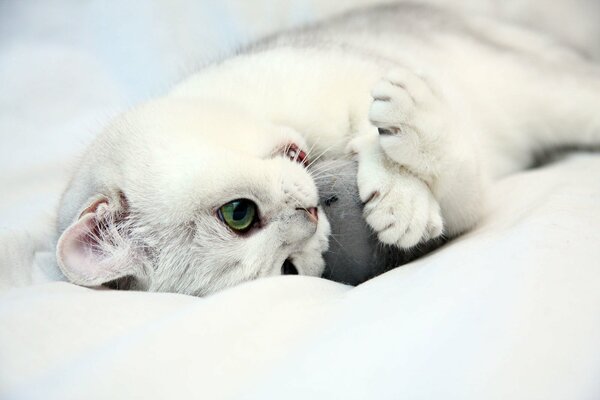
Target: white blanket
511 310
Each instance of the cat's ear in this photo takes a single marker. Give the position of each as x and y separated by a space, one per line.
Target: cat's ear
95 248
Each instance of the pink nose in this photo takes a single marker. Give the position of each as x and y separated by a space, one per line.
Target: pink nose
314 213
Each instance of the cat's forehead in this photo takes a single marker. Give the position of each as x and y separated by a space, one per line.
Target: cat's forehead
200 124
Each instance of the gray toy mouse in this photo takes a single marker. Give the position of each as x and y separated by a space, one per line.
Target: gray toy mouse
355 254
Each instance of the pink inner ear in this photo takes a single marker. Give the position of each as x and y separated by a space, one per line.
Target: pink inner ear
78 253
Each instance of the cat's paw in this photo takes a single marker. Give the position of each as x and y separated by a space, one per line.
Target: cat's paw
403 212
410 118
398 205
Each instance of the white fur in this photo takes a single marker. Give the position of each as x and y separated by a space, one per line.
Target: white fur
459 108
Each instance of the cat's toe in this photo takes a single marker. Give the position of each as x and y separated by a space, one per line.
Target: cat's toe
392 107
416 86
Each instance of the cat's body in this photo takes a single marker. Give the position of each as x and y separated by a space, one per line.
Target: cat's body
458 102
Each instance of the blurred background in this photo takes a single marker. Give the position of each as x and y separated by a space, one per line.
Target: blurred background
66 67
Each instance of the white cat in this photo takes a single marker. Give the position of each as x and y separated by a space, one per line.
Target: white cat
208 186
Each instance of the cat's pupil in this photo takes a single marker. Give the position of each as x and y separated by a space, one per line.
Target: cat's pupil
240 210
238 214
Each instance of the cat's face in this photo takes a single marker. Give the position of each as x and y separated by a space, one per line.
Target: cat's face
191 197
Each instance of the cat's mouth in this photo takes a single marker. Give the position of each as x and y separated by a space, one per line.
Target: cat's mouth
296 154
288 268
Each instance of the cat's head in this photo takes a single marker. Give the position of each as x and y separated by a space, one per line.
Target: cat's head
189 196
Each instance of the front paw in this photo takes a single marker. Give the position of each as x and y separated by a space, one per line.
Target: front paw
411 121
403 212
398 206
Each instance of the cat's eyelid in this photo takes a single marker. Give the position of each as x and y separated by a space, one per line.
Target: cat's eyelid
235 193
239 196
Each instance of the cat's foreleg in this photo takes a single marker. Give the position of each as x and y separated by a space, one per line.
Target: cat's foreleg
420 175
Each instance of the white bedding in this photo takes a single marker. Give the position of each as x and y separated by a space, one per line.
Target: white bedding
511 310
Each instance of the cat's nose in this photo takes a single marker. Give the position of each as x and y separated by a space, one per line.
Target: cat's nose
313 213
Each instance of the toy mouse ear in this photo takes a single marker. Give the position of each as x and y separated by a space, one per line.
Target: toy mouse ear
94 250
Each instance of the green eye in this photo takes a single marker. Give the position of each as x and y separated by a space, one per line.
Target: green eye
239 214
